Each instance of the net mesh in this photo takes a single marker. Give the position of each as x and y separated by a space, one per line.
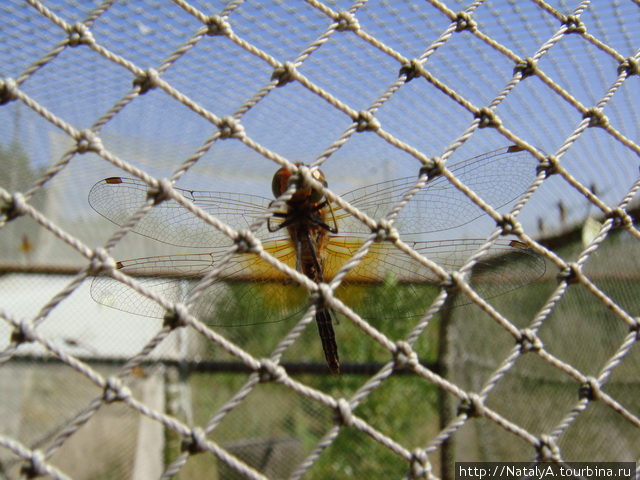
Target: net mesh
207 96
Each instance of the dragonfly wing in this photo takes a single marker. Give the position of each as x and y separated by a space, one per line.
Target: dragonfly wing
507 266
498 177
118 198
247 291
390 284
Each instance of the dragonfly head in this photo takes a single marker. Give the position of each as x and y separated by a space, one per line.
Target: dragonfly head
280 183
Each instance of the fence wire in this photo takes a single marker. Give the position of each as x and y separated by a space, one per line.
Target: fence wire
478 398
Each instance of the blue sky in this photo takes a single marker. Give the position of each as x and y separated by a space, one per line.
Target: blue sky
157 133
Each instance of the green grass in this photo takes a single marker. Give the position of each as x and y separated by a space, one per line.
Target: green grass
273 412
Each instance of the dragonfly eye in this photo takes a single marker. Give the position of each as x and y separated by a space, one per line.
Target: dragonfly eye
316 196
280 181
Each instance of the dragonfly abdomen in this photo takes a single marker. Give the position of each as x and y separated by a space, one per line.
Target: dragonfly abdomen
328 339
311 239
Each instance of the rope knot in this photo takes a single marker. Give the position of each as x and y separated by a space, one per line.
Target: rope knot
465 22
176 317
301 179
270 371
160 191
529 341
246 242
620 218
230 127
88 141
366 121
284 74
114 390
549 166
342 413
14 206
596 117
147 81
509 225
8 90
35 466
79 33
449 283
526 67
487 118
404 356
548 450
571 274
590 389
217 25
385 231
471 406
196 443
101 261
410 70
322 297
433 168
574 24
420 465
23 333
347 21
630 65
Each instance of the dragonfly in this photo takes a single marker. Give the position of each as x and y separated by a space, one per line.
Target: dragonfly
316 237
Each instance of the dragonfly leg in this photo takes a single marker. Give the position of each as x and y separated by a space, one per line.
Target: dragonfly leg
281 225
323 225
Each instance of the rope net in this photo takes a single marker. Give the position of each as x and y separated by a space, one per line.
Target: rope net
485 305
